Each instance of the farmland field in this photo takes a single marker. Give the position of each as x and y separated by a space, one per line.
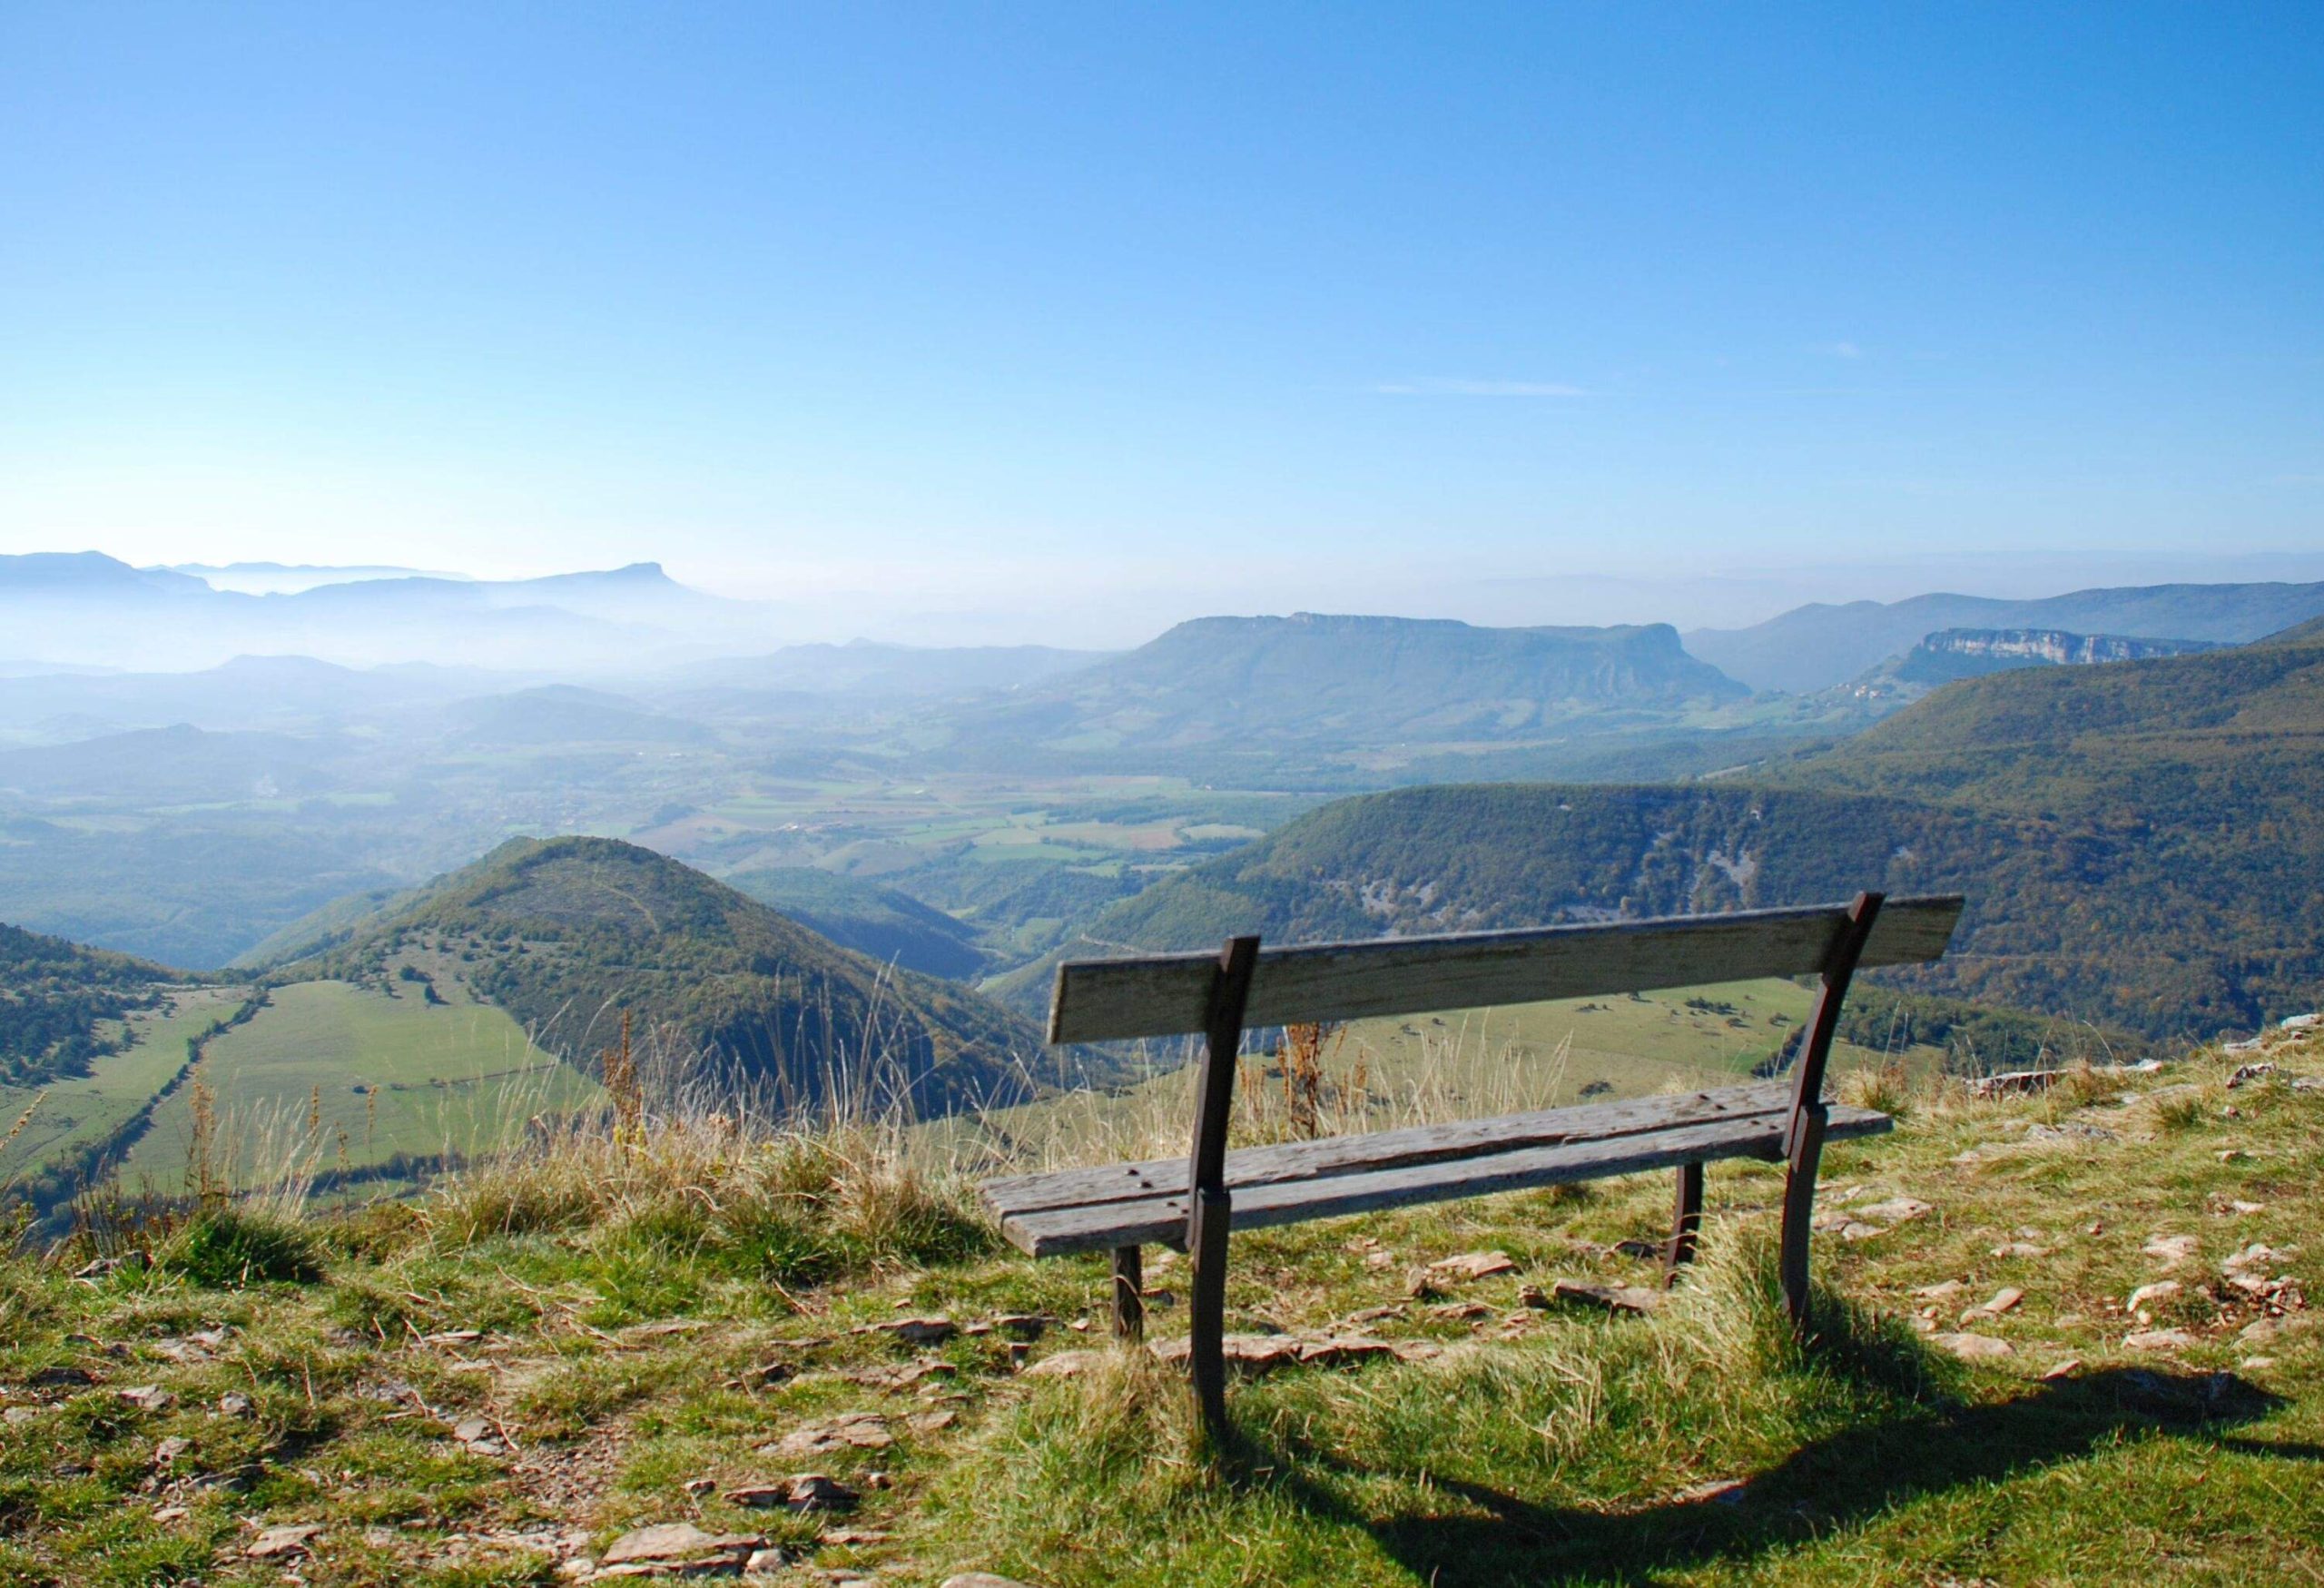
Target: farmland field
76 1113
384 1075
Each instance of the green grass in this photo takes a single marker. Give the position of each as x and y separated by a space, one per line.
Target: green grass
626 1319
77 1113
1384 1073
398 1075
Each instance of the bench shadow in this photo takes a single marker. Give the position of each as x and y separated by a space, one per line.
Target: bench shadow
1829 1483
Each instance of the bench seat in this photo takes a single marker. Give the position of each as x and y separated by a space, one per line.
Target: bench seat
1127 1205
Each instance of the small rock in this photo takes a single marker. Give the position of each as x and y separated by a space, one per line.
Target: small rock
2004 1300
1629 1298
2170 1250
282 1541
169 1513
2256 1364
1064 1365
1855 1229
168 1450
914 1331
469 1430
1718 1492
576 1568
1974 1348
981 1580
2159 1340
149 1398
19 1415
2247 1073
2066 1369
1343 1350
2021 1248
812 1491
676 1541
1245 1354
2300 1023
765 1562
854 1431
1473 1265
61 1378
1896 1211
1941 1290
2149 1295
234 1404
1380 1259
697 1487
2308 1084
931 1422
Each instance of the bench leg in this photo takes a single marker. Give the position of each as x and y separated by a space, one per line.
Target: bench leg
1686 1222
1130 1293
1799 1209
1206 1312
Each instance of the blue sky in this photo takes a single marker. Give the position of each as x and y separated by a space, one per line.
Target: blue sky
1080 319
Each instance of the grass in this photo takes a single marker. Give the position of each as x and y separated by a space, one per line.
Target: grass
77 1113
328 1063
648 1312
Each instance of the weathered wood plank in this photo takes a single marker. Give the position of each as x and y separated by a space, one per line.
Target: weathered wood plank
1254 1166
1072 1229
1169 994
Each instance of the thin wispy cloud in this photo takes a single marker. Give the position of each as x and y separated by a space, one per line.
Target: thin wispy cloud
1840 349
1454 386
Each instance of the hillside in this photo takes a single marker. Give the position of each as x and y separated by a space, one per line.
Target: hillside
2056 1338
570 934
1819 646
2139 842
1254 682
62 1006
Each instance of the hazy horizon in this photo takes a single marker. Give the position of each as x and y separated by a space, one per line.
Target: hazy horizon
1062 325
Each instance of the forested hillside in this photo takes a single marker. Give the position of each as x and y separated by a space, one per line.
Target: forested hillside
2140 843
57 999
570 934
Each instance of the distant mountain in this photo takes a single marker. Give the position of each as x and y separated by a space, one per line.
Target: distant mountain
569 933
882 923
86 608
1252 682
1818 647
267 578
1952 654
2139 843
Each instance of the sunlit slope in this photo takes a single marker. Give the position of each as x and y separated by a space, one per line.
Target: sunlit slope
331 1076
570 935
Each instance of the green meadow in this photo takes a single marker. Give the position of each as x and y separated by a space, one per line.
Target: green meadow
70 1115
331 1076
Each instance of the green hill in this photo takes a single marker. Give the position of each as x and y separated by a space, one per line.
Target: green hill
570 934
2140 842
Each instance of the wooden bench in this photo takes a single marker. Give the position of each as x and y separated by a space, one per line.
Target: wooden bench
1189 1203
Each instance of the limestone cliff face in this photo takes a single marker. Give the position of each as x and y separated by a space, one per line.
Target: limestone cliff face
2057 646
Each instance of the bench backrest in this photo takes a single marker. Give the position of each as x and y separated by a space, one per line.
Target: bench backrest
1164 995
